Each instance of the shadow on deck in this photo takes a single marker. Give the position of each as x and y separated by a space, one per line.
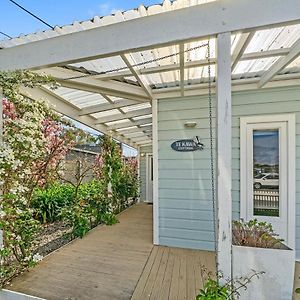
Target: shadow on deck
117 262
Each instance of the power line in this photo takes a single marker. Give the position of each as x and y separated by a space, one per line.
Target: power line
5 35
32 14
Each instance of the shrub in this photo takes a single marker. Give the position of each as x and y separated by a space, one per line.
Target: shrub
91 207
254 234
48 203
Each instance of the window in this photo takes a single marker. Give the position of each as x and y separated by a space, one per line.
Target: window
267 172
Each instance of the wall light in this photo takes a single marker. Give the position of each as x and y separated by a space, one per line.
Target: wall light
190 124
142 154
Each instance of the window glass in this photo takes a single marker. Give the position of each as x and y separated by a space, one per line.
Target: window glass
266 173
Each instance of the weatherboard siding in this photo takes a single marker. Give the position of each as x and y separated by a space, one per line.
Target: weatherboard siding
185 206
143 176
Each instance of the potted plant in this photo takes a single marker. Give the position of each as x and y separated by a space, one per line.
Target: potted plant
256 247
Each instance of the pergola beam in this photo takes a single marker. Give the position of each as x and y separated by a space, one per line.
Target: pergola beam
166 29
128 115
280 64
62 106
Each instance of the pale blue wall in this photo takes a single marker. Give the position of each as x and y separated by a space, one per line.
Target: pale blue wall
185 207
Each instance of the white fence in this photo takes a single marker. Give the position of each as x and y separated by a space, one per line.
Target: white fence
266 199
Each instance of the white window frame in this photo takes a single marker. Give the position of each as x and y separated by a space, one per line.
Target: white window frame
261 122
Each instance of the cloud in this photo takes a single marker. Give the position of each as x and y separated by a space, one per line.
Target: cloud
104 9
107 8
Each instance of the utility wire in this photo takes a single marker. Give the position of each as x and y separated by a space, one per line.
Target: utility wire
32 14
5 35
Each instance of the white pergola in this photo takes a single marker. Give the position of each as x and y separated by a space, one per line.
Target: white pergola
113 69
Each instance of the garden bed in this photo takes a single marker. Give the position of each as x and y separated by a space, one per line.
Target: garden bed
52 237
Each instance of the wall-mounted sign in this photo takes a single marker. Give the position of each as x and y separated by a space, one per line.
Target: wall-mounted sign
187 145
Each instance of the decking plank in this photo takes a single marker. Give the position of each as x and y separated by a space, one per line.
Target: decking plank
166 284
160 275
175 278
146 272
152 276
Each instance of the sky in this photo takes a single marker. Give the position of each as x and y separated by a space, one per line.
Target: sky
14 21
266 147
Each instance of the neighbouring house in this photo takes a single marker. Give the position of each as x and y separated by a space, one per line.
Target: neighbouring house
80 159
162 79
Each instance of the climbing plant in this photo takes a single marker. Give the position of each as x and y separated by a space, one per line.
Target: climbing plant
34 141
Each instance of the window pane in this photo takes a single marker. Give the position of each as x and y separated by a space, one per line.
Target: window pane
266 173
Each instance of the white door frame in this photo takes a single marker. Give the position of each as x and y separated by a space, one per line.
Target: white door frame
147 178
290 169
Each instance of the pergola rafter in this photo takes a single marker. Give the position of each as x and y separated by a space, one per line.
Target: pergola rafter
240 48
129 124
107 106
137 75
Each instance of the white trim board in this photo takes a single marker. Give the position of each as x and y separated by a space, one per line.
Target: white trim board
290 168
155 172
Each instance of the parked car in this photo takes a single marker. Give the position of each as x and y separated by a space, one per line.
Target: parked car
266 180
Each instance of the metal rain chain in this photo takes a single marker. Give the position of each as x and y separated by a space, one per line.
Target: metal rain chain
211 138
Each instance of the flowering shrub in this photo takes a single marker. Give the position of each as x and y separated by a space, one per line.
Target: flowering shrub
34 143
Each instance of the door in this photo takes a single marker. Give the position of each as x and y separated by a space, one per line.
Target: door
149 179
267 172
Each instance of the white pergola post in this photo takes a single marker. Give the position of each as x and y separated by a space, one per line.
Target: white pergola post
223 133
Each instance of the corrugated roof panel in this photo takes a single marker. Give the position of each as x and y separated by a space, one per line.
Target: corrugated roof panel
294 64
256 65
117 122
142 117
135 107
112 112
275 38
80 98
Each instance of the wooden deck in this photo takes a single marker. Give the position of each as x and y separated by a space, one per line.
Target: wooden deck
173 274
105 264
117 262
